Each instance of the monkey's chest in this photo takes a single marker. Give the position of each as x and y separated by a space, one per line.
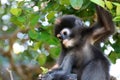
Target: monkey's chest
80 60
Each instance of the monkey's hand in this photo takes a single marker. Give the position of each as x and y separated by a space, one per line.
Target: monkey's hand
71 77
46 77
50 75
53 77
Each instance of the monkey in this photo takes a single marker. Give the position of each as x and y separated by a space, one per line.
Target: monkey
113 78
80 59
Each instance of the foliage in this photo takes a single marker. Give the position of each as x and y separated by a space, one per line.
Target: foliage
44 70
27 36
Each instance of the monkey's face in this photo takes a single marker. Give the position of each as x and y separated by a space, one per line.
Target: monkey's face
67 29
67 38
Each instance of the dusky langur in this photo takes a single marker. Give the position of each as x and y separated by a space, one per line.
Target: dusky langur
80 59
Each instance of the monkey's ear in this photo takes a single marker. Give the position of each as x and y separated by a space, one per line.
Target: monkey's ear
58 21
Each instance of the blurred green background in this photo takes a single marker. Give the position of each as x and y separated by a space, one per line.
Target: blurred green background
27 39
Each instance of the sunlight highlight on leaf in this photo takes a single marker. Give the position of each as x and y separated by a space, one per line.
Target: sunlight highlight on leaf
76 4
16 11
99 2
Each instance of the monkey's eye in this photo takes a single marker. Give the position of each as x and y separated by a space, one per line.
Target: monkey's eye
65 32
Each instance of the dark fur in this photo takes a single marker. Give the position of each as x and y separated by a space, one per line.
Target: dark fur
83 58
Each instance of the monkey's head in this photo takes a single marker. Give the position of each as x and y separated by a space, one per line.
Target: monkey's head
68 29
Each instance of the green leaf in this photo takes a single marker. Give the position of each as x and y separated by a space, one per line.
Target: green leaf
117 18
109 4
51 15
117 7
53 41
44 36
15 21
76 4
116 45
116 4
34 19
118 10
64 2
42 59
21 3
21 19
33 34
54 52
85 4
113 57
99 2
37 45
16 11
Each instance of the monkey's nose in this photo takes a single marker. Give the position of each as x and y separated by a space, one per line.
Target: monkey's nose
59 37
63 37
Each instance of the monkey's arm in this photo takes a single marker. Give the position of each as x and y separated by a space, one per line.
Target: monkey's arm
60 60
63 71
104 26
65 66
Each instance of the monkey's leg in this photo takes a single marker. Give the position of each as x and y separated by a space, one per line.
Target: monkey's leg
96 70
112 78
65 77
59 77
71 77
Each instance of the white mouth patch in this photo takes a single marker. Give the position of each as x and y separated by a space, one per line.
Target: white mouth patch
68 43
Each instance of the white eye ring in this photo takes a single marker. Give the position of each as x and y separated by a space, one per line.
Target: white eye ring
66 31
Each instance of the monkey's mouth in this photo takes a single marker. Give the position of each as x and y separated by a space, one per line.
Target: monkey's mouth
68 42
